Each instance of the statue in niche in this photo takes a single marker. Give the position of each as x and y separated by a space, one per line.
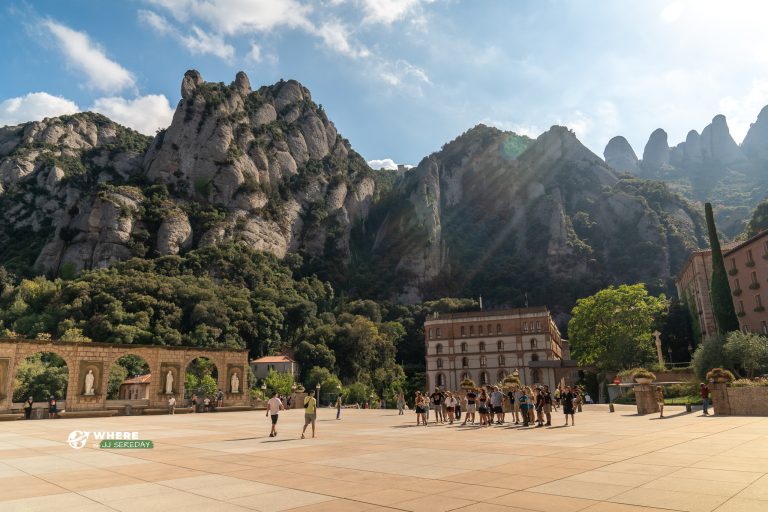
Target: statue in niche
235 383
169 382
89 383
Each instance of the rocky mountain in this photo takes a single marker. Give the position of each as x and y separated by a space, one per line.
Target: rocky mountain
492 213
709 166
548 219
266 167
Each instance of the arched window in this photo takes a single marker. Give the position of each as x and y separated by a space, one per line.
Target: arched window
483 361
464 362
501 360
483 378
534 357
440 381
439 362
482 346
533 343
439 348
500 346
464 347
498 328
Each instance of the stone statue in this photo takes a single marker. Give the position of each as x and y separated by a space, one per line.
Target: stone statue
169 382
235 382
89 383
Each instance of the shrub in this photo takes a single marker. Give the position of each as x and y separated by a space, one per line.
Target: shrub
467 384
642 373
747 383
720 373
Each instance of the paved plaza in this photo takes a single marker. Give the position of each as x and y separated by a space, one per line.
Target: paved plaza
377 460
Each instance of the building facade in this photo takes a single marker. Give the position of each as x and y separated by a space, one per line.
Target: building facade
486 346
282 364
747 267
136 388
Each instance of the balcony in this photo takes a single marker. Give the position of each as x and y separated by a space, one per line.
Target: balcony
750 263
733 271
737 292
754 285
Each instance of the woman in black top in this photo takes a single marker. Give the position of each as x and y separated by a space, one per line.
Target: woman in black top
483 408
567 402
539 400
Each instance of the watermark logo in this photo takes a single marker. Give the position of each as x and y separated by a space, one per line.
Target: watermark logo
77 439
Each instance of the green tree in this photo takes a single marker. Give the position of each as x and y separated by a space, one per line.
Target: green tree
279 381
40 376
208 386
358 393
759 220
722 302
612 328
710 354
747 351
117 375
677 332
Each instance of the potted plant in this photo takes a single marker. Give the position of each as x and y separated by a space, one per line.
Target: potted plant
643 376
467 384
299 388
719 375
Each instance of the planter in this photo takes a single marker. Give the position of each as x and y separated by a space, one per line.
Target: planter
643 380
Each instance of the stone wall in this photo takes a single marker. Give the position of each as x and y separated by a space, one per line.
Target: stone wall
750 401
98 357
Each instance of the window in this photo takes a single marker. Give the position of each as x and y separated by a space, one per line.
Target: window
440 381
463 331
482 346
745 328
464 347
471 330
758 303
525 326
538 326
749 257
439 362
480 330
483 378
733 263
466 376
498 328
438 333
736 286
500 345
439 348
741 306
536 374
754 277
534 357
483 361
533 343
501 360
501 375
464 362
430 334
765 250
490 330
764 325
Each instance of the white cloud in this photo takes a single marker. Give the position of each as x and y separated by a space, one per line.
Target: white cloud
87 57
528 130
336 37
157 22
741 112
579 122
672 12
384 163
402 73
34 106
387 12
255 54
201 43
144 114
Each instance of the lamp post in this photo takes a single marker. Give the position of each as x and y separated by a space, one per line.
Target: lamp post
317 393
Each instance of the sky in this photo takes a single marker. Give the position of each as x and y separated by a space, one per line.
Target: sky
400 78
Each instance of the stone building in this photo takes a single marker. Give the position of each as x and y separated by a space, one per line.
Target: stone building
747 266
486 346
281 363
135 388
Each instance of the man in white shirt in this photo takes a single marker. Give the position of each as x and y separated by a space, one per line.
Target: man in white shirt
450 405
274 406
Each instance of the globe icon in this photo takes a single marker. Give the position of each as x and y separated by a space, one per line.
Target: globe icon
77 439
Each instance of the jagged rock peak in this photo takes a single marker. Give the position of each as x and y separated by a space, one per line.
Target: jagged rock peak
755 144
192 78
718 144
656 152
619 154
242 83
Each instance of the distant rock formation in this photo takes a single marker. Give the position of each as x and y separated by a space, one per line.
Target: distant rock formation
620 155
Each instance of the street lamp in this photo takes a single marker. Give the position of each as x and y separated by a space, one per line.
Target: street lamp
317 393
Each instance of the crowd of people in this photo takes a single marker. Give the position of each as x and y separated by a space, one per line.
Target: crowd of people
490 405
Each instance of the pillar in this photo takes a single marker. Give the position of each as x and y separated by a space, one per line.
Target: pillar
645 395
720 402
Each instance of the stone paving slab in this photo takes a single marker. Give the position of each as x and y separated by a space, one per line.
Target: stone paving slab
376 460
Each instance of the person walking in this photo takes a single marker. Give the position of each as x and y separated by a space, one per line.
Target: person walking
28 403
310 412
660 400
171 404
704 390
566 401
400 403
274 406
338 407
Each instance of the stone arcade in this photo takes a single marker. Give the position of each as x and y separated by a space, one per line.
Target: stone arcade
88 366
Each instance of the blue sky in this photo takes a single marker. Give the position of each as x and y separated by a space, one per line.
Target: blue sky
401 77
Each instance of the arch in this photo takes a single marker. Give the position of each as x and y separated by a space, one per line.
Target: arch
197 378
464 362
129 377
439 348
55 378
500 345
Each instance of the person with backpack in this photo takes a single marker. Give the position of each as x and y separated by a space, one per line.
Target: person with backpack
310 412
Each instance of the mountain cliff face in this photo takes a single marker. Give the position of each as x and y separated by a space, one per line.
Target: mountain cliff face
550 220
263 167
709 166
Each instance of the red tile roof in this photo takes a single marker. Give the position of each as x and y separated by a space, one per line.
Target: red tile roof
273 359
141 379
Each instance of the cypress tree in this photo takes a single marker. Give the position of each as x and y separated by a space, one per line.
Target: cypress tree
722 302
